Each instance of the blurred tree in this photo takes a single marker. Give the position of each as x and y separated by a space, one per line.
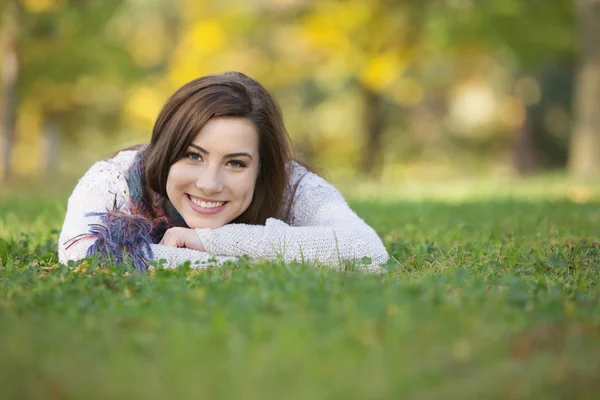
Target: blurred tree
75 65
86 64
10 74
375 45
365 45
584 159
529 37
72 70
547 122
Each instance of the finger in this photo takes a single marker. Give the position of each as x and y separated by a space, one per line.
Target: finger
168 240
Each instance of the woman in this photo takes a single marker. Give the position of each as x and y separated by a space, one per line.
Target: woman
216 181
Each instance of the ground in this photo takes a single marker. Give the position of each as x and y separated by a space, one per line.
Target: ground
492 294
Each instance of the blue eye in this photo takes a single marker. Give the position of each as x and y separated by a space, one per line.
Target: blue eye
194 157
236 164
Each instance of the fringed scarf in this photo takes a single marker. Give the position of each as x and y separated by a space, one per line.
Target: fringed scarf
120 235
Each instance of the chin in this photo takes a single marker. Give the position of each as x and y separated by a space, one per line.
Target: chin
195 224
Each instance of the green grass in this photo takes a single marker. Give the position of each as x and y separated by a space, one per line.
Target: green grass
493 297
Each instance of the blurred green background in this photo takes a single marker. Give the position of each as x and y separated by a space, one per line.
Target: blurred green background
389 90
466 132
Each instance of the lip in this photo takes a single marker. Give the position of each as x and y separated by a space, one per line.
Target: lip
205 199
205 211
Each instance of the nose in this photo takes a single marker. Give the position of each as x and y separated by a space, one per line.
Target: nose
210 182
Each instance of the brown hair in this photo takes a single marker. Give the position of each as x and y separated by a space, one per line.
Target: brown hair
231 94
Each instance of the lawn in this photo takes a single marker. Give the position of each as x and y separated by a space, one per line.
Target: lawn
487 296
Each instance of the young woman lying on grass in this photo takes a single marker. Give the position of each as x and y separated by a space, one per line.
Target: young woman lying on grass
216 181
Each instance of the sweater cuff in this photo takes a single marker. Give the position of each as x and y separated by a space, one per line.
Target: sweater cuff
206 238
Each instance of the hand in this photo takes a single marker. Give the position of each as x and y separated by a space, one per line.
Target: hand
182 237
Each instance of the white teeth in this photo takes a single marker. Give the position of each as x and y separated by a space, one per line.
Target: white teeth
206 204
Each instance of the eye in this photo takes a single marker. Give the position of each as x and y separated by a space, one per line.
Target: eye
236 164
194 157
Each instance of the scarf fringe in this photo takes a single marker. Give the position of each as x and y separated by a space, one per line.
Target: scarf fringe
119 235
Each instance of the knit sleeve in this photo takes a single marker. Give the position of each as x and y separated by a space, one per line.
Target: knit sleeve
103 189
176 256
322 228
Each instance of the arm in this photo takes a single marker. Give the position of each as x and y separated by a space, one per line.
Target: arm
322 229
99 190
103 189
177 256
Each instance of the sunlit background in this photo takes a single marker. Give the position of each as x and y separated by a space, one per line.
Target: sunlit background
372 90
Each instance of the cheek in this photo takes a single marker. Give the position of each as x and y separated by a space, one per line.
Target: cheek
175 179
245 189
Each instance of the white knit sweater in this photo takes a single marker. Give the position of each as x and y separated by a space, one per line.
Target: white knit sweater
321 227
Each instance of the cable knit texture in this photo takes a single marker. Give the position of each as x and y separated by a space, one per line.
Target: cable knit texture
321 227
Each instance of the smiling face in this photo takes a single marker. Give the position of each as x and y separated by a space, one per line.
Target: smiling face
213 182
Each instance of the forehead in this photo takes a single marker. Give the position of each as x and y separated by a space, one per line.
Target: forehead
228 135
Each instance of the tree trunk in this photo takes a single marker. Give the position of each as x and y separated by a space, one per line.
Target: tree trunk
373 125
51 132
584 156
10 75
525 151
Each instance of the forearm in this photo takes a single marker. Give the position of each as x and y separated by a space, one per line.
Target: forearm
172 256
322 244
177 256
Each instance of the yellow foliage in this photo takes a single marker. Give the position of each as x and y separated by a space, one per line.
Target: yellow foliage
511 112
38 6
192 9
355 38
407 92
352 15
205 37
181 71
143 106
345 17
331 26
335 119
381 70
248 60
199 53
28 150
323 37
148 45
56 96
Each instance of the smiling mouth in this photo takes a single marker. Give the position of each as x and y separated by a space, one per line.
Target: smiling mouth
206 204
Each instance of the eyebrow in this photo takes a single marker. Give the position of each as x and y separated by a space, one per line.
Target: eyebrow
230 155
